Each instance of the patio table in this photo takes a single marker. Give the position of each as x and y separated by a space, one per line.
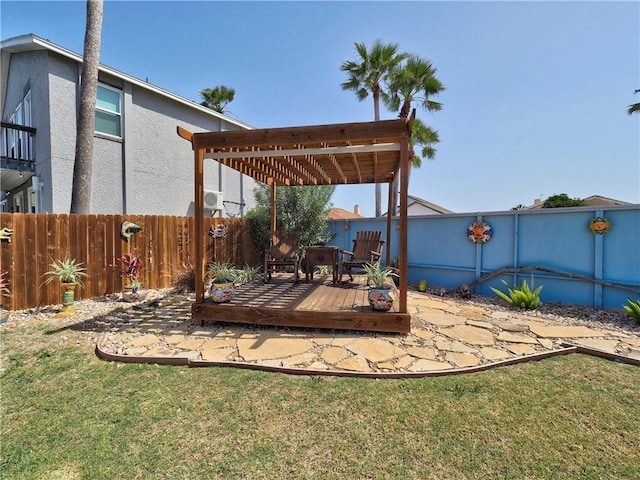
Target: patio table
321 256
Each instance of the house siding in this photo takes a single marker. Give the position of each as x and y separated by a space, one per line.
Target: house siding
63 75
150 170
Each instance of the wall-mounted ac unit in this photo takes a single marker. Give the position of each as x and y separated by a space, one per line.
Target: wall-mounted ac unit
213 200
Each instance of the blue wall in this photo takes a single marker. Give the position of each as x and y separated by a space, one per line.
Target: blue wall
440 252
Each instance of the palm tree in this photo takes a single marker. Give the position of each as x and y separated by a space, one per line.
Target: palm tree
217 98
415 80
81 190
634 107
368 74
422 136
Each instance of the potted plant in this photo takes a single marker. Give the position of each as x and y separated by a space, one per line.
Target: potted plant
69 273
130 266
223 277
4 292
381 294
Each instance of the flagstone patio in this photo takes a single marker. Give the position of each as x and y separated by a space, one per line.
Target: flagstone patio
447 336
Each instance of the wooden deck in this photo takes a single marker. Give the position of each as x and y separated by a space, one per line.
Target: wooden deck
317 304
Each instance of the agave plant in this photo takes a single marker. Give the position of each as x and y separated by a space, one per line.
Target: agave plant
247 274
633 309
522 297
378 275
67 270
220 272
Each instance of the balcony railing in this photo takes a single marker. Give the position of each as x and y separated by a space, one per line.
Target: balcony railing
17 148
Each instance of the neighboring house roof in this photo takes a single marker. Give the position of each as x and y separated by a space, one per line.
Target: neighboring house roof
412 199
416 203
30 41
593 200
337 213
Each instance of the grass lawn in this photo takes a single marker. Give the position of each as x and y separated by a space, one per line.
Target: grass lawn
68 415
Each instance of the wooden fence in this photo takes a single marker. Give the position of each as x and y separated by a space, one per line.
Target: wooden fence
165 244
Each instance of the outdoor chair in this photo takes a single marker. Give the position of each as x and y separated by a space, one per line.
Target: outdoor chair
284 252
367 248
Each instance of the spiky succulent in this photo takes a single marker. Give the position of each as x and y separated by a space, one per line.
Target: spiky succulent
633 309
522 297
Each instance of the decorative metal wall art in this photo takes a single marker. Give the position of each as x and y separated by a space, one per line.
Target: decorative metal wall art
219 231
479 232
128 229
5 234
599 225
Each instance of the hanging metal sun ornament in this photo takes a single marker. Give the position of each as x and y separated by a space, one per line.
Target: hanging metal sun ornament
479 232
599 225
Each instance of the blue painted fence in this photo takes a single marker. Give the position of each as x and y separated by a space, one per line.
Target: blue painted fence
557 239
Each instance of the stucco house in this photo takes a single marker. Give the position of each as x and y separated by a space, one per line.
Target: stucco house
140 164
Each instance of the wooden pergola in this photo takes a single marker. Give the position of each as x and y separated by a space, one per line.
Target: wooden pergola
336 154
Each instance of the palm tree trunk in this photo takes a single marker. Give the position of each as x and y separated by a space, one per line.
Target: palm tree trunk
376 113
85 125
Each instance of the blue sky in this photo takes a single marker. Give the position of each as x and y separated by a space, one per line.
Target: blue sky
535 98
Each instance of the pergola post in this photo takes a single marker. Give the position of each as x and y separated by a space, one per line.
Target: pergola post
404 192
199 223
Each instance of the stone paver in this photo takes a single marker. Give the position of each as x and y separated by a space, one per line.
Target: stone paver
599 344
215 354
515 338
441 318
469 334
191 344
374 349
564 331
423 365
462 360
356 363
334 354
491 353
271 346
422 352
520 349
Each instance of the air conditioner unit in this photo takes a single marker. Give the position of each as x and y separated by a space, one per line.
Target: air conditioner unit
213 200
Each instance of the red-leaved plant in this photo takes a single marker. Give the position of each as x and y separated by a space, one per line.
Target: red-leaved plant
130 266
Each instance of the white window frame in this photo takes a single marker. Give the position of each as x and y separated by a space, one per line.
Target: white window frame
111 112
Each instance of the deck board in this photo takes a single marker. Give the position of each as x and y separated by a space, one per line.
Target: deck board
317 304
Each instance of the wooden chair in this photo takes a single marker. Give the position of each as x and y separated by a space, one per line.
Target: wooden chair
284 252
367 248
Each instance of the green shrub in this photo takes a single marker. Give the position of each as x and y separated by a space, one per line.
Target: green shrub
522 297
633 309
247 274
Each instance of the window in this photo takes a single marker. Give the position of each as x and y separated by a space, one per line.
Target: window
108 111
18 143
